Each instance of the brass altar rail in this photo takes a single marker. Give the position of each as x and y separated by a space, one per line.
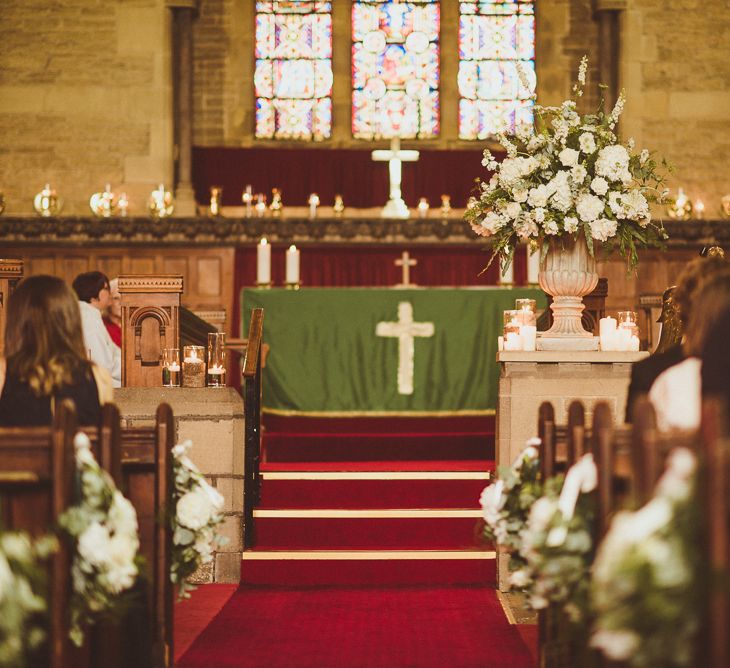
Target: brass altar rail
252 391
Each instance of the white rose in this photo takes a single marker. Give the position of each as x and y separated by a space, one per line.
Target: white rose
93 544
589 207
121 577
525 227
492 501
194 510
587 143
520 195
599 185
569 157
571 224
538 196
635 205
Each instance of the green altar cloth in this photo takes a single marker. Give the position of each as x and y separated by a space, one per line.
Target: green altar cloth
327 358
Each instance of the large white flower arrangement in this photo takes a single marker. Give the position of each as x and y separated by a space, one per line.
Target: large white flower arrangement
569 177
506 506
22 595
198 511
645 590
103 526
557 543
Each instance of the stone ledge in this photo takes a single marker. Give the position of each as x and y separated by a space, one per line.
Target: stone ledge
197 404
571 357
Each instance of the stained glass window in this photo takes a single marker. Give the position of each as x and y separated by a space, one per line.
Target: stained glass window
495 35
293 76
395 69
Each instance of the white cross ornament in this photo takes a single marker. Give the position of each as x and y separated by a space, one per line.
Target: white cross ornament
405 330
406 263
396 207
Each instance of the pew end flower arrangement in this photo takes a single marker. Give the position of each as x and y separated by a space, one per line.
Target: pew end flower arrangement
198 512
104 531
23 592
569 178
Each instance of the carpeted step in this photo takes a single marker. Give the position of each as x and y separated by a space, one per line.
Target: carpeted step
328 446
408 529
362 489
376 568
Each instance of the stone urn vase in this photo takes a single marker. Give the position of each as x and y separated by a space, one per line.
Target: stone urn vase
568 274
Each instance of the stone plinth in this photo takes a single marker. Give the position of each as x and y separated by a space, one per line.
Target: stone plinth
213 420
526 379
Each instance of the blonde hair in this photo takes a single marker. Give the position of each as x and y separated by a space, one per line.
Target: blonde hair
44 342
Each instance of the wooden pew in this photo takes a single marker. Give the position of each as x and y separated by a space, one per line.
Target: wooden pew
140 462
37 472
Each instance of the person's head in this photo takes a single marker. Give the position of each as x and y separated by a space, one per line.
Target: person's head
93 287
115 308
44 343
696 271
710 298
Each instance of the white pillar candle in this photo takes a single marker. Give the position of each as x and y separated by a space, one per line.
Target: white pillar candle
512 341
528 334
607 333
313 204
634 346
533 266
292 265
624 339
263 262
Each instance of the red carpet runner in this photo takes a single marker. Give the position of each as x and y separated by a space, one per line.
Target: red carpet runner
367 552
440 627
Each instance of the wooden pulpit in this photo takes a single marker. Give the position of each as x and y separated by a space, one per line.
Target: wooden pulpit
150 323
11 271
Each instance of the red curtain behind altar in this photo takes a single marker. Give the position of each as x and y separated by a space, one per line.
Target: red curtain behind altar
358 266
330 171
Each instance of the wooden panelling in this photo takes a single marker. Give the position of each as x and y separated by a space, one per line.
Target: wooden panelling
207 272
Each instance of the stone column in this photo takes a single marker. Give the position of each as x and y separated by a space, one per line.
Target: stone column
11 271
607 14
184 11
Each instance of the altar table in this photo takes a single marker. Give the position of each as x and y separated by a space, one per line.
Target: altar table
332 354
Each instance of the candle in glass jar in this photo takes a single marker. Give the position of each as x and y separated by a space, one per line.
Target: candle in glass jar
292 265
263 262
193 366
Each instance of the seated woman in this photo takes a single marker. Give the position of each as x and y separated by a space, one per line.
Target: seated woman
677 393
46 359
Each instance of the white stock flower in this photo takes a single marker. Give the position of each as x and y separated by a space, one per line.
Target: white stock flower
520 195
616 645
93 544
194 509
589 207
613 163
568 157
578 174
599 185
551 227
635 205
643 156
539 215
587 143
571 224
603 229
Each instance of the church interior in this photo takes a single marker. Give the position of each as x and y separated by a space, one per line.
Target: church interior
374 333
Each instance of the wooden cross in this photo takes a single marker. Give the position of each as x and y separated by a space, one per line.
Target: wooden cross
406 263
396 207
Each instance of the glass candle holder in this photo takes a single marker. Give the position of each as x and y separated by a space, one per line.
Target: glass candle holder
171 367
512 337
193 367
526 305
528 327
216 359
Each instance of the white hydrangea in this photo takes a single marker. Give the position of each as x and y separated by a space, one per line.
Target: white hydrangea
538 196
512 170
562 199
569 157
613 163
589 207
599 185
587 143
614 203
603 229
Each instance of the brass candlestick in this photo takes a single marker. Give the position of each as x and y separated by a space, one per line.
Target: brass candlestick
161 203
339 206
276 207
216 198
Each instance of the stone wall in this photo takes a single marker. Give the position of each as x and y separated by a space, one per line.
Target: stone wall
84 99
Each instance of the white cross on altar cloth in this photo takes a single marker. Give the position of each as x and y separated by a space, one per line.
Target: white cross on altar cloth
405 330
406 262
396 207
